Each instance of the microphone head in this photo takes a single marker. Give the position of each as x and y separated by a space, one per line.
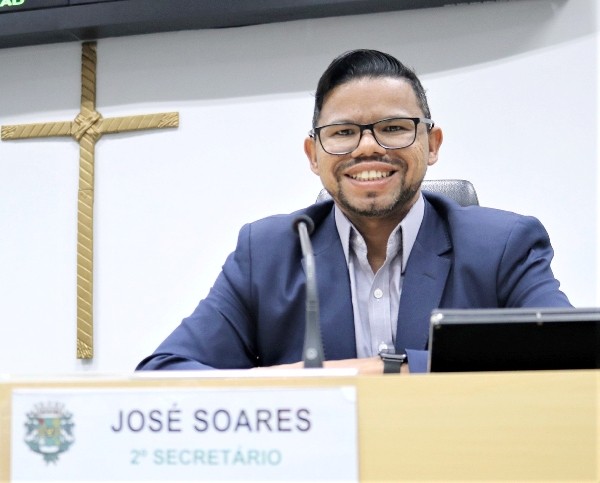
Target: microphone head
310 225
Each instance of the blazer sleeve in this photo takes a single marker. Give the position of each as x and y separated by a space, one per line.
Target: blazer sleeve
525 278
220 333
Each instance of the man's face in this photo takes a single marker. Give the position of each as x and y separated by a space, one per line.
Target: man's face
372 181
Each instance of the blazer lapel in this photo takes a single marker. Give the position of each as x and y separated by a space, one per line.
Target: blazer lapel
424 281
335 298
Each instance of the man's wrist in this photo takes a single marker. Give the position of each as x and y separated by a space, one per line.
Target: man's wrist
392 363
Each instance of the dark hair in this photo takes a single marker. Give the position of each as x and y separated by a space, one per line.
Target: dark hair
361 63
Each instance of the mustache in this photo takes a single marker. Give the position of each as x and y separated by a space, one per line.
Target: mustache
396 163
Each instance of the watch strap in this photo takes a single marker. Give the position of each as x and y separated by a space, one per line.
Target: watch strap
392 363
391 366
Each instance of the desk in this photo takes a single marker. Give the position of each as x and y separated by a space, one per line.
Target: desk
437 427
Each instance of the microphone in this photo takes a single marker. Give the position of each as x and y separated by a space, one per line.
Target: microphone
313 345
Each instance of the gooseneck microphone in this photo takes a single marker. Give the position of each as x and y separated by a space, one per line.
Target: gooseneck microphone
312 353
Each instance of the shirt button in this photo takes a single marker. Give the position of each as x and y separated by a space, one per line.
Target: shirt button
378 293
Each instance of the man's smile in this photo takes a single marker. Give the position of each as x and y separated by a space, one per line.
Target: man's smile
371 175
370 171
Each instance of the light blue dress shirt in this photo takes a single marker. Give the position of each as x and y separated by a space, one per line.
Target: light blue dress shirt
376 296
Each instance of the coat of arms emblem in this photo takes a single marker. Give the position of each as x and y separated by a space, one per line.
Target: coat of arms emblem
49 430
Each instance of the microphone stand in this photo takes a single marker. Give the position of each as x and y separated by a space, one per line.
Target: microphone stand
312 352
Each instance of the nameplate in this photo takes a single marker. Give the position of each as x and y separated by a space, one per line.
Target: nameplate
179 434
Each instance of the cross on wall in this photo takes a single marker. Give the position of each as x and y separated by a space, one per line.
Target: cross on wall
86 129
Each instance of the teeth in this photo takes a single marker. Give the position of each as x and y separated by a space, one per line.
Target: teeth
371 175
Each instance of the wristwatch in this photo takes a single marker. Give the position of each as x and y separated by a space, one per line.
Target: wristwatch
392 362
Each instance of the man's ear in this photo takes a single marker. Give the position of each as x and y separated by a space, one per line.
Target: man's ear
435 141
310 149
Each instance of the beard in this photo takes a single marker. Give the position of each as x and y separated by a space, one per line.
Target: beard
400 200
376 209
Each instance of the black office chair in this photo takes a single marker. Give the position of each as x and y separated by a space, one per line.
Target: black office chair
460 190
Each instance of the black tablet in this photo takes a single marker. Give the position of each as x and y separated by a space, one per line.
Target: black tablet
514 339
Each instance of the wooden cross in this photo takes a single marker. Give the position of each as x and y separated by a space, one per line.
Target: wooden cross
87 128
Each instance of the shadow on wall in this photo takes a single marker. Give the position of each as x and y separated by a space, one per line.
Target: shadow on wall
207 65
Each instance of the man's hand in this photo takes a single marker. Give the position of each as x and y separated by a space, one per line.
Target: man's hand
369 365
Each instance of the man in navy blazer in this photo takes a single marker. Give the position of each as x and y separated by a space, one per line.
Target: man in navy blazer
386 253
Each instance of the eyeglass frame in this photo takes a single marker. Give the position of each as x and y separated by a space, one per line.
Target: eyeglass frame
316 131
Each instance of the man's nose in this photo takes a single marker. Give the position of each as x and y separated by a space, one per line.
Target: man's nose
368 145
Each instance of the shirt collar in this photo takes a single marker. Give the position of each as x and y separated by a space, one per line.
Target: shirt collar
410 228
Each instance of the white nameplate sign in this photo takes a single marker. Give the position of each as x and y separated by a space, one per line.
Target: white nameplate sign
176 434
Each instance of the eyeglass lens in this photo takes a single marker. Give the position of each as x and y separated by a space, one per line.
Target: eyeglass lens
390 133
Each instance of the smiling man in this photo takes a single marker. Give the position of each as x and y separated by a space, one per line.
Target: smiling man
387 254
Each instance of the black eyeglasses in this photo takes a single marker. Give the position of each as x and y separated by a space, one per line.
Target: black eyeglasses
392 133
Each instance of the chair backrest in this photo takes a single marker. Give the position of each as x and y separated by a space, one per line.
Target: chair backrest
460 190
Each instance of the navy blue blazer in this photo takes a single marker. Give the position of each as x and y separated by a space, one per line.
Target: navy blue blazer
254 315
